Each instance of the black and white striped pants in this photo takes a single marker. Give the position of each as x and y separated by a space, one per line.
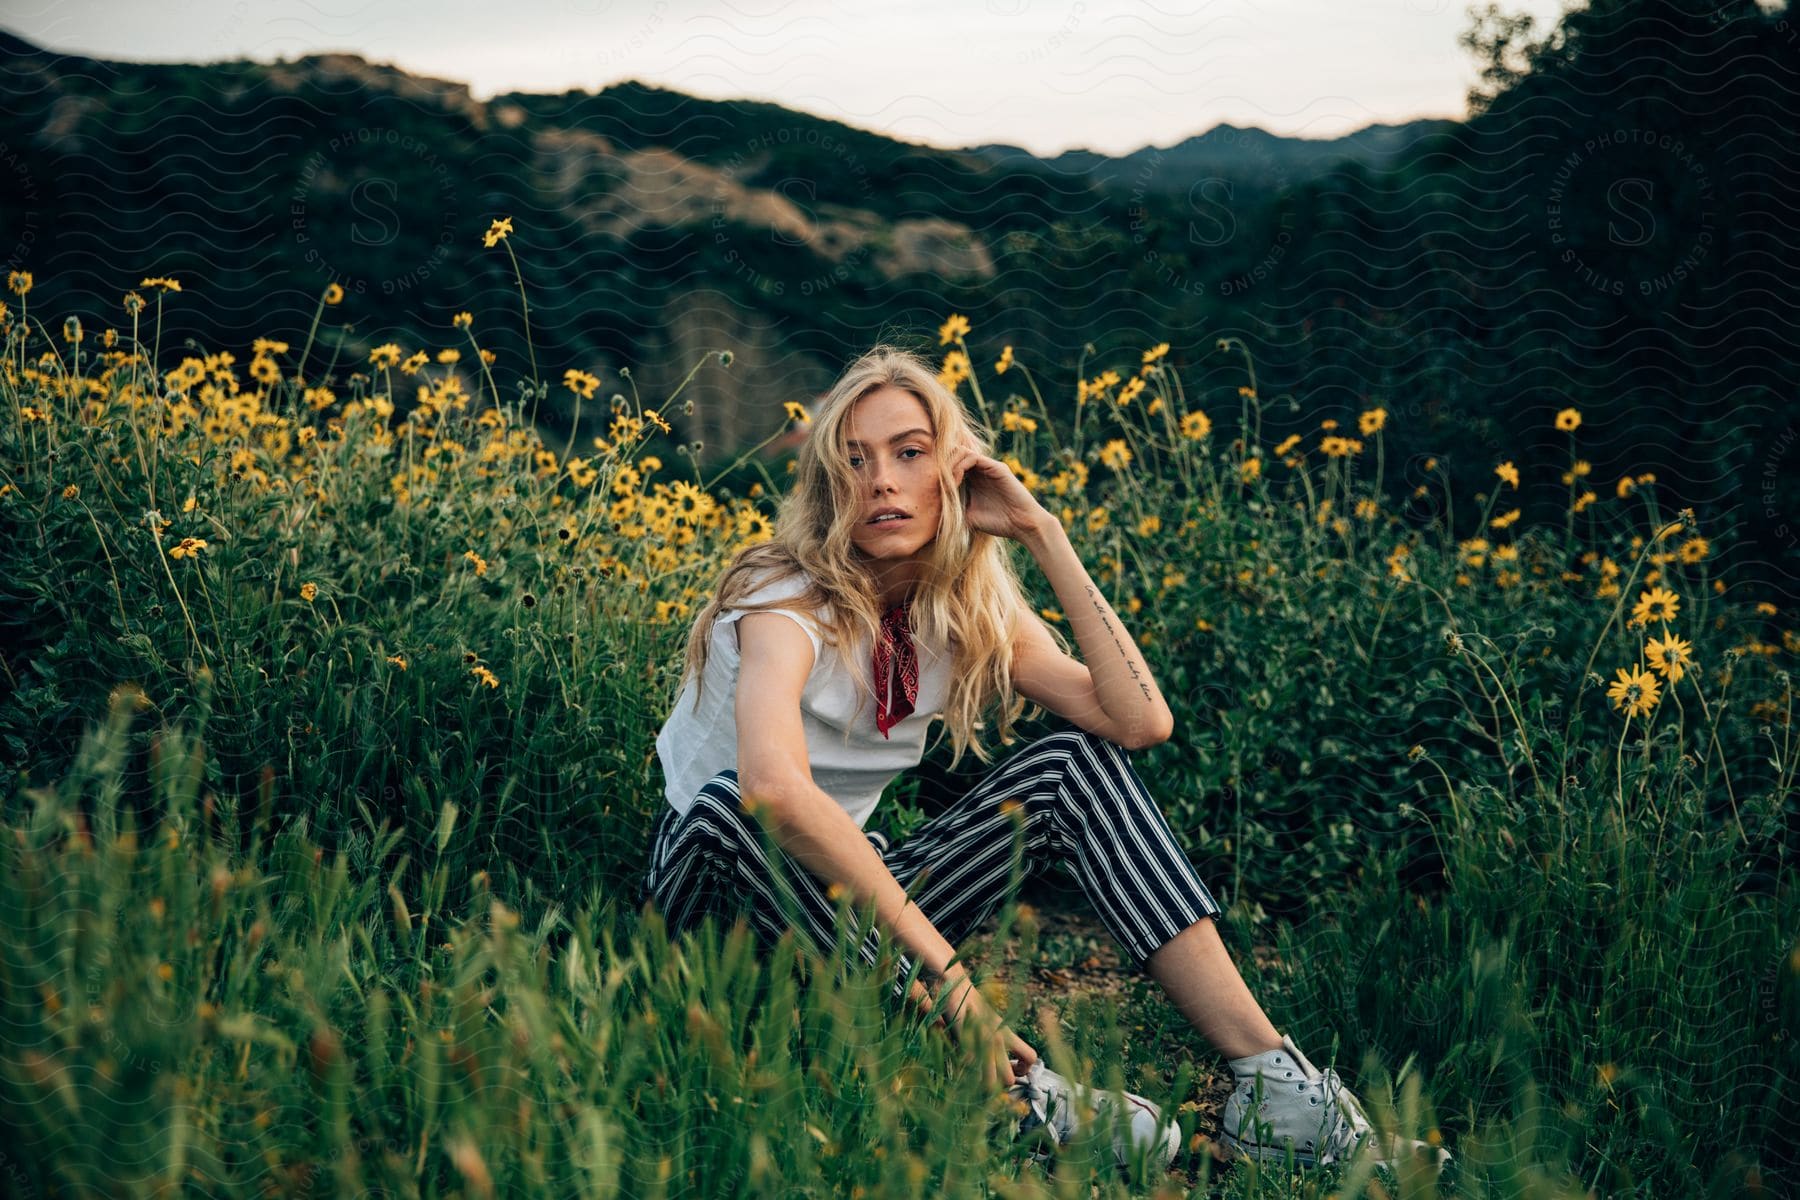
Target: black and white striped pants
1082 804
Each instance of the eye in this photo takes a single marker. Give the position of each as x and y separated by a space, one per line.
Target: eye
912 450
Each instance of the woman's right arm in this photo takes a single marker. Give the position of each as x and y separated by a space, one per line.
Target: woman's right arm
775 781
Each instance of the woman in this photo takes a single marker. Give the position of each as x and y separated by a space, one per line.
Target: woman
887 598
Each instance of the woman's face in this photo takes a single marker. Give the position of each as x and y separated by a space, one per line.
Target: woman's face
893 460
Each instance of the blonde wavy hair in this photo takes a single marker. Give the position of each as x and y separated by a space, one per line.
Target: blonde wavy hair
970 598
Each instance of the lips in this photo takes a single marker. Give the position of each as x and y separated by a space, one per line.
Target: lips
899 517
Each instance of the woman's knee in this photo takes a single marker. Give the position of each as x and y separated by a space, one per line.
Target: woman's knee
1081 741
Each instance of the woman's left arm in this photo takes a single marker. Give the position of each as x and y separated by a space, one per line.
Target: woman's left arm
1111 692
1120 678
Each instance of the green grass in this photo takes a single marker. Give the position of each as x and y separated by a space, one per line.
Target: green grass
283 915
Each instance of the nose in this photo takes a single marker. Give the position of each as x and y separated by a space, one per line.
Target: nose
879 477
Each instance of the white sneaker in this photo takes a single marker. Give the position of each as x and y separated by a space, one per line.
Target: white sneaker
1060 1105
1303 1105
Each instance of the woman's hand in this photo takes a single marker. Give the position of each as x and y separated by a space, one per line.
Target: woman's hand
1005 1056
998 503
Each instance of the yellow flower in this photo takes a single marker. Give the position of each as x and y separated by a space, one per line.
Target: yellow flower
334 294
385 355
1504 519
650 416
1151 355
134 304
1129 392
580 473
952 329
1624 486
581 383
1372 421
955 369
480 562
1250 469
1116 454
1585 499
1670 655
398 660
1248 393
1097 520
497 231
449 354
1051 614
414 363
486 676
1287 443
1195 426
650 464
72 491
1339 447
1017 422
1006 360
1568 420
1657 604
463 320
1636 691
309 592
1149 525
1508 472
797 412
188 548
19 282
163 282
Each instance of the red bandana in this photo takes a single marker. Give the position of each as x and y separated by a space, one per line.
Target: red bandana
896 670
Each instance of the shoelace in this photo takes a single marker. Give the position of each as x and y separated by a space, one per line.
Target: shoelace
1030 1089
1352 1124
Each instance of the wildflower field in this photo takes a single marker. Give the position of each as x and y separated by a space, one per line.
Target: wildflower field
328 703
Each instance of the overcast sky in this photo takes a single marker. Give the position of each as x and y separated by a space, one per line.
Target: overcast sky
1049 75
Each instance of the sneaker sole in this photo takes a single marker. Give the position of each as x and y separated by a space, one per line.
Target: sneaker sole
1251 1150
1260 1153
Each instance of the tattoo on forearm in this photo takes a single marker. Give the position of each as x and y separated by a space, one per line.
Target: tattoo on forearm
1100 610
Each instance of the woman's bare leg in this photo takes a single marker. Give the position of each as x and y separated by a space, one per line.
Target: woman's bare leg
1196 971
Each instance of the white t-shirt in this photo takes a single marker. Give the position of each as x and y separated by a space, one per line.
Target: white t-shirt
851 760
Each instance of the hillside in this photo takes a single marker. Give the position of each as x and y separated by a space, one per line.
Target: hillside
1594 234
